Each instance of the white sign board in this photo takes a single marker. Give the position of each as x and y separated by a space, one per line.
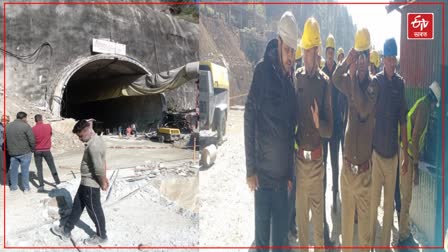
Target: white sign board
104 46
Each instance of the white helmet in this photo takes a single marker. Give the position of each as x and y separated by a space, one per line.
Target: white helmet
435 88
288 30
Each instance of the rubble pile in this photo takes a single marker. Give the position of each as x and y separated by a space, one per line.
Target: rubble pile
63 139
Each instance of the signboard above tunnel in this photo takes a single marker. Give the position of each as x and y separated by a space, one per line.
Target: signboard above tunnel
105 46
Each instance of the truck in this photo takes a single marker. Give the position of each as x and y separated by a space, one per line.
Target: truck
213 98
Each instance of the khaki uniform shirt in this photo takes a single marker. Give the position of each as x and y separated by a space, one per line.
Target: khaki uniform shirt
361 97
310 88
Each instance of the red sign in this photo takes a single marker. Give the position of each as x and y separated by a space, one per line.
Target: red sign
420 25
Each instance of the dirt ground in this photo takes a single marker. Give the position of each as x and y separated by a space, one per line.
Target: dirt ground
227 205
153 200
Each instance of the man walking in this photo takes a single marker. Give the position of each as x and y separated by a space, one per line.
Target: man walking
391 110
417 124
20 141
269 128
356 172
42 133
93 177
314 121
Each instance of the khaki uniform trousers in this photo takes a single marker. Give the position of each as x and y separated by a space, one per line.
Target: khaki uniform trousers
384 172
355 195
310 196
406 185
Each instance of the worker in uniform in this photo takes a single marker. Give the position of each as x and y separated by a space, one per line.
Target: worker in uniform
342 102
292 196
340 55
314 121
374 62
417 125
269 121
356 169
390 112
334 141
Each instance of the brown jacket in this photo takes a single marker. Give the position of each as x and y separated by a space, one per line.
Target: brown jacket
361 97
307 89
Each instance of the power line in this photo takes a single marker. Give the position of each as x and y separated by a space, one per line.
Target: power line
30 58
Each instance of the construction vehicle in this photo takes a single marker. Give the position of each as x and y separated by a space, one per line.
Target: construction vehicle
213 98
168 134
213 92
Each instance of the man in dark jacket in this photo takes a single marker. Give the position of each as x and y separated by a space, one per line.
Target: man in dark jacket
390 111
21 142
269 121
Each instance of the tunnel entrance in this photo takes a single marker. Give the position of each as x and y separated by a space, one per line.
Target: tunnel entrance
90 92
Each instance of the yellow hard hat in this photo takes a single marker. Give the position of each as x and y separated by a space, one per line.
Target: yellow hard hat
298 52
330 42
375 58
311 34
340 50
362 40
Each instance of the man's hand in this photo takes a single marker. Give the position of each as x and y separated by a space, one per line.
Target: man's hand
413 149
315 113
104 183
289 185
352 56
404 164
252 182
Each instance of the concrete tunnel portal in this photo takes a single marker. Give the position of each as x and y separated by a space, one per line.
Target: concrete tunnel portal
96 74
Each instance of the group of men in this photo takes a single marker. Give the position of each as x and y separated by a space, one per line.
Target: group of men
294 112
20 144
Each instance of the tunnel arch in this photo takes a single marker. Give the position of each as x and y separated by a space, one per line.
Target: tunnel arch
93 73
71 69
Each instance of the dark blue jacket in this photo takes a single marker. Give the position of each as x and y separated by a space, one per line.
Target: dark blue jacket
269 122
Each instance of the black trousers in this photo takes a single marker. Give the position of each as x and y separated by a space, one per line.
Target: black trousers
334 156
90 198
397 196
38 156
271 217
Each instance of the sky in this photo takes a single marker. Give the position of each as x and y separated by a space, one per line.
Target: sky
374 17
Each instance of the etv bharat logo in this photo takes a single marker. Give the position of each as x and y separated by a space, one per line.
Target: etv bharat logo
420 26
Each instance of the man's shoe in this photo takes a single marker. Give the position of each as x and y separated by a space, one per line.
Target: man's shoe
408 242
411 242
95 240
26 191
13 190
59 231
293 231
40 189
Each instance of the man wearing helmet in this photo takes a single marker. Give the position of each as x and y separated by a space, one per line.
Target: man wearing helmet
352 78
269 122
417 124
314 121
390 111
